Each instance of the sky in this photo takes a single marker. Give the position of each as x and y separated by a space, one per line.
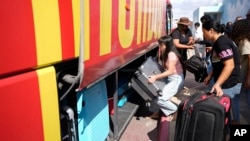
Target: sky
185 8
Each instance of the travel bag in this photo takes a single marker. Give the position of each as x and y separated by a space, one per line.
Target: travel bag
202 117
197 65
140 83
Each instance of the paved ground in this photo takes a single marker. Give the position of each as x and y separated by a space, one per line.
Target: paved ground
142 128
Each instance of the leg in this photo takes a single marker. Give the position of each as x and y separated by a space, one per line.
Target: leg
236 109
234 94
167 107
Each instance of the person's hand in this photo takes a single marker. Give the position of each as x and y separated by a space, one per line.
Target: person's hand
151 79
191 47
191 42
217 89
208 49
206 80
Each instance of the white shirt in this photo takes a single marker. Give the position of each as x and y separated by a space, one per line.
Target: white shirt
198 35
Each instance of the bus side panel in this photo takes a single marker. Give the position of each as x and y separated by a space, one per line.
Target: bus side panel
17 38
29 107
20 108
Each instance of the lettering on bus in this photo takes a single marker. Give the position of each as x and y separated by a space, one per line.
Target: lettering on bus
149 22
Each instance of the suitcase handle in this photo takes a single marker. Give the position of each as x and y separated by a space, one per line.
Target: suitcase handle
213 93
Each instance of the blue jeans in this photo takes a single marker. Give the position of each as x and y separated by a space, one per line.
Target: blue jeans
234 94
174 84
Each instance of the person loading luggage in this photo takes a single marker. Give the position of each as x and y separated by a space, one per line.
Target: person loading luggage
225 60
173 74
183 40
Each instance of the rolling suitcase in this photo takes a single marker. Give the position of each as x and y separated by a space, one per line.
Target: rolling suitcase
68 128
139 81
202 117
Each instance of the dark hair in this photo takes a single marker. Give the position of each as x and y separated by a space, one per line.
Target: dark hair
228 29
168 42
205 18
241 30
219 28
197 24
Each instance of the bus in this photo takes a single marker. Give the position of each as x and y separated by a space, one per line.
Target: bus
65 65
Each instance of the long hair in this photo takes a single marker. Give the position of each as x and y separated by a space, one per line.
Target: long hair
241 30
169 46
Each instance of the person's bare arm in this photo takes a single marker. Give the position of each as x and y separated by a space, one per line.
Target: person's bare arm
191 41
169 71
181 46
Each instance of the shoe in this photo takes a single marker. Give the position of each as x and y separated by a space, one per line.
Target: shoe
155 115
185 88
234 122
172 117
175 100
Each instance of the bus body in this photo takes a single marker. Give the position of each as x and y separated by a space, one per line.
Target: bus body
40 59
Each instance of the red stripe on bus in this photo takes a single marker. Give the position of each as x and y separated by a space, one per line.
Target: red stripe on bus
67 29
94 28
21 116
17 38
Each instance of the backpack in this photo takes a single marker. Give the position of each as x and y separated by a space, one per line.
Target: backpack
198 67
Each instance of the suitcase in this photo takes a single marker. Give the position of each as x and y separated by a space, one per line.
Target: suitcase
202 117
139 81
68 128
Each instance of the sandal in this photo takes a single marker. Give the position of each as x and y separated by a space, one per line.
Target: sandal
155 115
170 117
186 91
175 100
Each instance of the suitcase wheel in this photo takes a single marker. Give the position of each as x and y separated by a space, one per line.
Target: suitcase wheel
159 92
137 73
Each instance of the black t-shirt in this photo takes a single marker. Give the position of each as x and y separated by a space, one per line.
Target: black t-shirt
183 39
224 49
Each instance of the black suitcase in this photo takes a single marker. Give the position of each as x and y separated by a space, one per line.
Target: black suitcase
202 117
197 66
68 128
139 81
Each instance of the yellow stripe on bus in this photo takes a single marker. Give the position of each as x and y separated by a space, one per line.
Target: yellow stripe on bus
105 26
76 17
139 24
47 31
126 35
76 21
49 104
